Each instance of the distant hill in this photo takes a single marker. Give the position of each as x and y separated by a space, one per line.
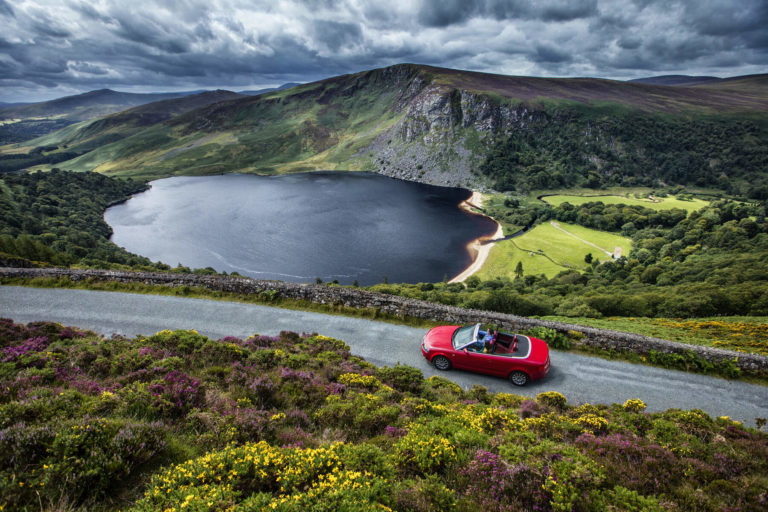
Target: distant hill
439 126
29 120
676 80
14 104
269 89
85 106
83 137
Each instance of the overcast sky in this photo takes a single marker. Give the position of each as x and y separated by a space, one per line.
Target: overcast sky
52 48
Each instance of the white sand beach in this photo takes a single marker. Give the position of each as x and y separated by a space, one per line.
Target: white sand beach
481 247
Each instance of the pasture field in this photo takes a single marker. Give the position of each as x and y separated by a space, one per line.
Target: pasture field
550 248
658 203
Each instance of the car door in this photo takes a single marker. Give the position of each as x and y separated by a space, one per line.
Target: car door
489 364
463 359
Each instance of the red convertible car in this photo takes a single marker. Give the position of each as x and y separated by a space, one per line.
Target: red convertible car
515 357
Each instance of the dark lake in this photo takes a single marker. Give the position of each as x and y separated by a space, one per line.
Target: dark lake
298 227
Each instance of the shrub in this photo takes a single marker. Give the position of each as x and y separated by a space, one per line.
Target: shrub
403 378
552 399
75 462
634 405
554 339
423 452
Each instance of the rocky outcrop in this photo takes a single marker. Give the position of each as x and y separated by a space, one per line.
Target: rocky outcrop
444 134
400 306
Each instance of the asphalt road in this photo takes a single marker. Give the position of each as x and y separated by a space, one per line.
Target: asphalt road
580 378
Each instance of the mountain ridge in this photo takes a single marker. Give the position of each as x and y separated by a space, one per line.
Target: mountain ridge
409 121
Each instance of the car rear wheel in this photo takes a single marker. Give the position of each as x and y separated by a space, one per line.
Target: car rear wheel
519 378
441 363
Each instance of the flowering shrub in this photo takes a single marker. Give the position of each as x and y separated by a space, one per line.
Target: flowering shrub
634 405
177 393
552 399
260 475
592 423
15 352
361 381
421 451
87 458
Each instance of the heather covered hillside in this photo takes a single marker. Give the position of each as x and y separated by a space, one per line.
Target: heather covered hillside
177 421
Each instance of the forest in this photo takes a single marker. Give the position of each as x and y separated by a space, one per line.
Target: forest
57 218
565 147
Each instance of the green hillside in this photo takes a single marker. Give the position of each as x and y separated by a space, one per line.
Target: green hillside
450 127
23 122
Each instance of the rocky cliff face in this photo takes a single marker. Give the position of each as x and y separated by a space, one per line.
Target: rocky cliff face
443 134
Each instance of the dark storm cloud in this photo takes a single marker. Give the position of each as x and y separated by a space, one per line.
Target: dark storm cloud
149 32
442 13
547 53
446 12
5 9
335 34
78 45
566 10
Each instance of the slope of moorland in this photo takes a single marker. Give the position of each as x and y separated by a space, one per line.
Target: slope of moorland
29 120
437 125
178 421
80 138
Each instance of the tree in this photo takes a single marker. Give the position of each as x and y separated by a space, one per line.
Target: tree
519 269
588 258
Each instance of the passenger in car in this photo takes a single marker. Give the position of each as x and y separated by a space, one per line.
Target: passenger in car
489 341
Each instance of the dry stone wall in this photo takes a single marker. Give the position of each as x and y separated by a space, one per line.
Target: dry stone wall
398 306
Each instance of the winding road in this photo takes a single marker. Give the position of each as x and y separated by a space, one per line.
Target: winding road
580 378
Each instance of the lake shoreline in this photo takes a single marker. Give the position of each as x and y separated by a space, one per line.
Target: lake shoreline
479 248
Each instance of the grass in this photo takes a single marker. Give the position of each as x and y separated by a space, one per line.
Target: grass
548 250
740 333
659 203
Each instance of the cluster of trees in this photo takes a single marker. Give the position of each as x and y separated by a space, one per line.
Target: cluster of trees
29 129
38 156
711 262
594 214
564 148
57 218
617 217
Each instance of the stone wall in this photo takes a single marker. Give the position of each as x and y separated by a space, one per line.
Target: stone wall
399 306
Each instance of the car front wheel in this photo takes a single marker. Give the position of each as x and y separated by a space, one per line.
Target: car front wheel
518 378
441 363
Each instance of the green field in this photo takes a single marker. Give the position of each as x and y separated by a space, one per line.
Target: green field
657 203
548 250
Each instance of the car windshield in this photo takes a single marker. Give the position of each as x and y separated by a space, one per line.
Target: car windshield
463 336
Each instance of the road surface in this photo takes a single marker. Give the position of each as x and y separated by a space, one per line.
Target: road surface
580 378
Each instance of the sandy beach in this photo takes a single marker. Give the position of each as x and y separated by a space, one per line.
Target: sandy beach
480 247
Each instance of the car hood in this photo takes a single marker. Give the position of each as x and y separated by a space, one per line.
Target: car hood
440 337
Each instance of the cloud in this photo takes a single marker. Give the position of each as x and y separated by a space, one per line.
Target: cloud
547 53
6 10
81 45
